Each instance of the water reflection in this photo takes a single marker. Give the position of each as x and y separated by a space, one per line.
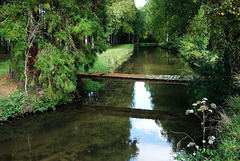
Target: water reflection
142 97
153 60
70 135
151 143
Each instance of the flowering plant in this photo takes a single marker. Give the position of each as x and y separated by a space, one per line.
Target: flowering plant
201 110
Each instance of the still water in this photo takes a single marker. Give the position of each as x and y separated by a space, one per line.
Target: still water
78 132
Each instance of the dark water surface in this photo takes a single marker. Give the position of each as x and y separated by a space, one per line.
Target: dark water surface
78 132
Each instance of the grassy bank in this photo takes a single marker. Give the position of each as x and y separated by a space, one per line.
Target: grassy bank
229 143
111 59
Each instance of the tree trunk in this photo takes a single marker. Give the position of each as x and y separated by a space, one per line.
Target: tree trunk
86 40
167 38
92 46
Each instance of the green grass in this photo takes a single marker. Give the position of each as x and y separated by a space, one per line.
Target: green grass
146 44
111 59
229 146
4 67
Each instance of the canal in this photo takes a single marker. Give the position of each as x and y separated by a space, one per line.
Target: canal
98 128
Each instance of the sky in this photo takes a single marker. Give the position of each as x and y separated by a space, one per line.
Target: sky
140 3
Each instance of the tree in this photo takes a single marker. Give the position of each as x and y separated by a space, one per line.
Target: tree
51 40
140 24
168 19
215 47
121 16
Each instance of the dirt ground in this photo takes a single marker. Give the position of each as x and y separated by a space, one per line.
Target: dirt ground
7 86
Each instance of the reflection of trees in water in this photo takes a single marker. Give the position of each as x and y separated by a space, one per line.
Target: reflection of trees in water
72 136
151 60
115 93
192 128
174 98
171 97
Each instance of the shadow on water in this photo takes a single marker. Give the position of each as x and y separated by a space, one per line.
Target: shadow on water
121 121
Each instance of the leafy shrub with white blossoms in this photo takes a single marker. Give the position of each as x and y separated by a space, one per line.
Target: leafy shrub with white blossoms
202 110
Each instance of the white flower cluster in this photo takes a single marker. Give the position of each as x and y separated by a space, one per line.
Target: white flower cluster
189 111
211 139
203 107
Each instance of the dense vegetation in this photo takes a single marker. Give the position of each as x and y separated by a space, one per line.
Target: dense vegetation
208 37
51 40
212 45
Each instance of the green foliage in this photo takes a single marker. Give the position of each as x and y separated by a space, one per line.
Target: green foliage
224 16
213 48
229 145
193 45
168 19
199 154
51 40
213 81
4 67
90 85
18 104
121 14
140 24
58 73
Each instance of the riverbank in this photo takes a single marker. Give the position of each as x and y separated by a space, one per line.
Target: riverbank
111 59
229 141
13 101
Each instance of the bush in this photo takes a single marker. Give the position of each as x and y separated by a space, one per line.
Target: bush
18 104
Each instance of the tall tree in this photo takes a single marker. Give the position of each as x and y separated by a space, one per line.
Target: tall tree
48 40
121 16
168 19
140 24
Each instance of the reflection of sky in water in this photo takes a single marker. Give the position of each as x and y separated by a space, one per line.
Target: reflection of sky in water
142 97
152 145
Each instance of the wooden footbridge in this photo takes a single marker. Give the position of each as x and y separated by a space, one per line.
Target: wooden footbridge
145 77
140 77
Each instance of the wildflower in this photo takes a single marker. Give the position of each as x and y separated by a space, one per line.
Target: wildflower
204 99
203 102
188 112
210 111
191 111
213 105
211 139
194 154
203 141
198 102
196 146
194 104
190 144
202 108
